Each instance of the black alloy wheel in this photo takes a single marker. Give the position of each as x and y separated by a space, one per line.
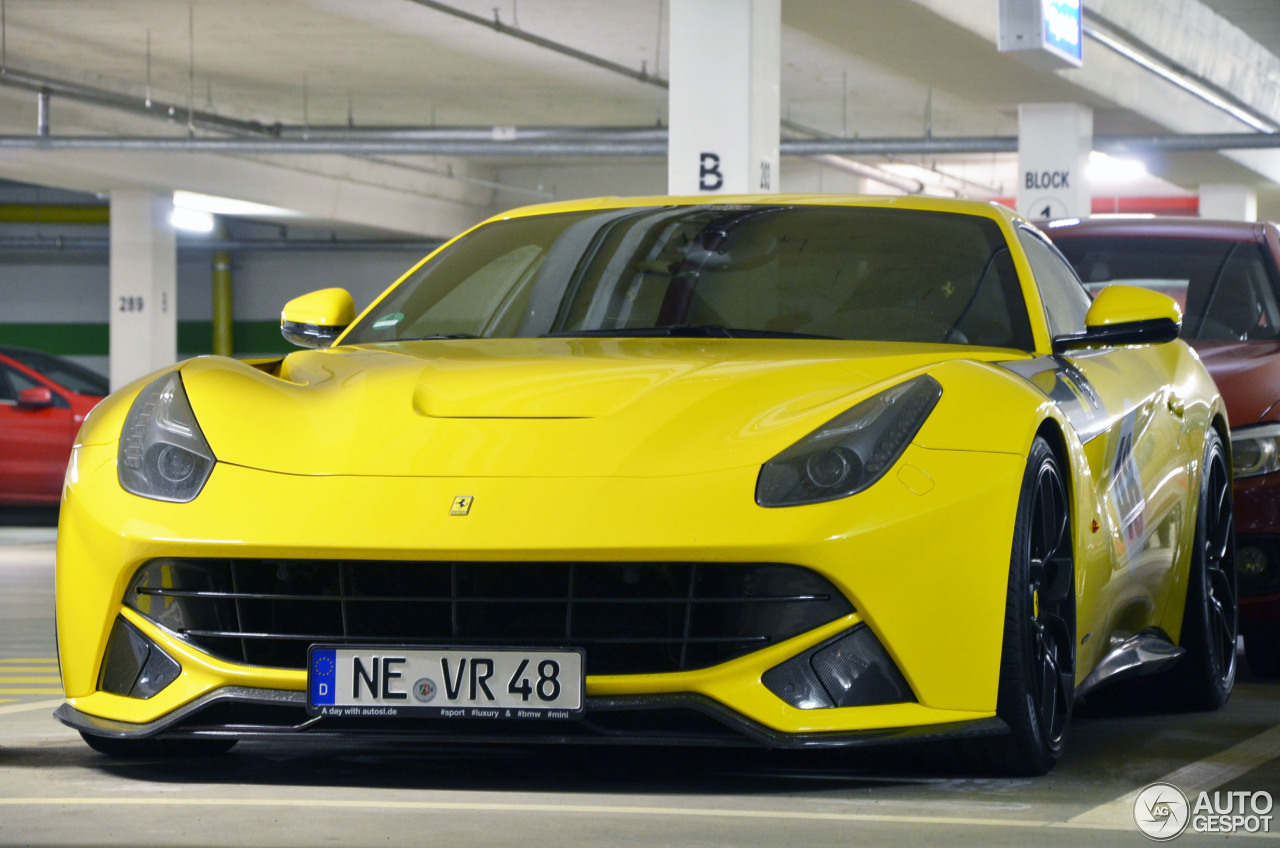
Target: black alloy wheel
1203 678
1037 664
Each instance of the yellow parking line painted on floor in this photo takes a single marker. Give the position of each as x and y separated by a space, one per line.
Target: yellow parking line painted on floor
30 691
43 660
33 678
30 706
7 700
578 809
1203 776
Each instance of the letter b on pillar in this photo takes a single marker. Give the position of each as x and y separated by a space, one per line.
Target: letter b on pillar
724 96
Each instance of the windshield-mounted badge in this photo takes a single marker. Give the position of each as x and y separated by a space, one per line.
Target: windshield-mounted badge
461 505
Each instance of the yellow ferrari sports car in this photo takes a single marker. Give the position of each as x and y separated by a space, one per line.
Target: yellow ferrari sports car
770 470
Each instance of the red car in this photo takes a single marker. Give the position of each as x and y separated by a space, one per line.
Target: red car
1226 275
43 401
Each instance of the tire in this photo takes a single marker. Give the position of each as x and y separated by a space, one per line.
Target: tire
1037 660
1203 678
1262 649
128 749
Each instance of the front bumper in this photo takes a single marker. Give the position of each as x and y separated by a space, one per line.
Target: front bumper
923 568
265 714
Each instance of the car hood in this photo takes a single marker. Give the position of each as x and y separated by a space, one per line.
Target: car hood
541 407
1247 374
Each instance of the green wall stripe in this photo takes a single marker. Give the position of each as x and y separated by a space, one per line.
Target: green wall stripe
62 339
194 338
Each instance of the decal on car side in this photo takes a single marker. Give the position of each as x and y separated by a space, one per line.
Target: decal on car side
1064 384
1126 487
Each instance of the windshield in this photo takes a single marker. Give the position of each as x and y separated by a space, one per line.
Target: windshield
725 270
1222 286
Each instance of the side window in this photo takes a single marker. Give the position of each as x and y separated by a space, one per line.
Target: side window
13 381
1065 300
1241 303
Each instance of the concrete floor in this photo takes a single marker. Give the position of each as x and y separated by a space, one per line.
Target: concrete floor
55 791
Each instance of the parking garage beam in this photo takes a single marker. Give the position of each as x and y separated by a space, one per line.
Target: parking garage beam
1229 202
724 96
143 307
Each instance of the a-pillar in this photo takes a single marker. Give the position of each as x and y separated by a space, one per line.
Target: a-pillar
144 269
1054 141
724 96
1228 202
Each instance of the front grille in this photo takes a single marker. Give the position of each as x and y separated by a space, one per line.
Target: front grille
630 618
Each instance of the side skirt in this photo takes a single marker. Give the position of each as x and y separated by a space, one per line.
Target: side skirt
1148 652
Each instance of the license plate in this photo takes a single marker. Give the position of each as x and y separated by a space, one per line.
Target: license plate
444 683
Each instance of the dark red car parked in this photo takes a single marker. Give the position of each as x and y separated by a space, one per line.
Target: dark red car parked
43 401
1226 275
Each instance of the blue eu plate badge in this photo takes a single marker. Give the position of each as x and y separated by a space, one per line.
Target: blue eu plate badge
323 676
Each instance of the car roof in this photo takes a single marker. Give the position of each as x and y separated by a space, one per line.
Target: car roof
1168 227
916 201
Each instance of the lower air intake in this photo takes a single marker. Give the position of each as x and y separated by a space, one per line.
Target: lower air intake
630 618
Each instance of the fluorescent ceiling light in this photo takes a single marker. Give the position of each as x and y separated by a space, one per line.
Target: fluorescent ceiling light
228 206
1109 169
191 220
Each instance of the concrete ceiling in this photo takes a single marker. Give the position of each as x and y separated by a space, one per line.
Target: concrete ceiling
870 68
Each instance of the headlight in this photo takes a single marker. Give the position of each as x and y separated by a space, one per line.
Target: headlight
1255 450
852 450
163 455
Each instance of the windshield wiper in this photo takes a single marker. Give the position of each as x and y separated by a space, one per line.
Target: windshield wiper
687 331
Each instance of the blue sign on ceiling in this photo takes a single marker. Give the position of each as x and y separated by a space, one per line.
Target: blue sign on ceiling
1062 27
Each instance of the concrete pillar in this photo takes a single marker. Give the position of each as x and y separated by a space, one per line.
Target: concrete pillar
724 98
1230 202
144 270
1054 140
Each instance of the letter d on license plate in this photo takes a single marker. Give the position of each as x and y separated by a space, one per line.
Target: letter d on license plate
447 683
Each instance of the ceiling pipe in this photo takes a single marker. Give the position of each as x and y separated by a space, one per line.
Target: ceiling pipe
829 160
1144 57
52 86
288 132
867 172
496 25
153 144
102 245
569 147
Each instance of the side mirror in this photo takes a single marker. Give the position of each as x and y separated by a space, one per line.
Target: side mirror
318 318
37 397
1126 315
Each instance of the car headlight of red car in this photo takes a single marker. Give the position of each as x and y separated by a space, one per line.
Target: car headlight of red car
852 450
163 455
1255 450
